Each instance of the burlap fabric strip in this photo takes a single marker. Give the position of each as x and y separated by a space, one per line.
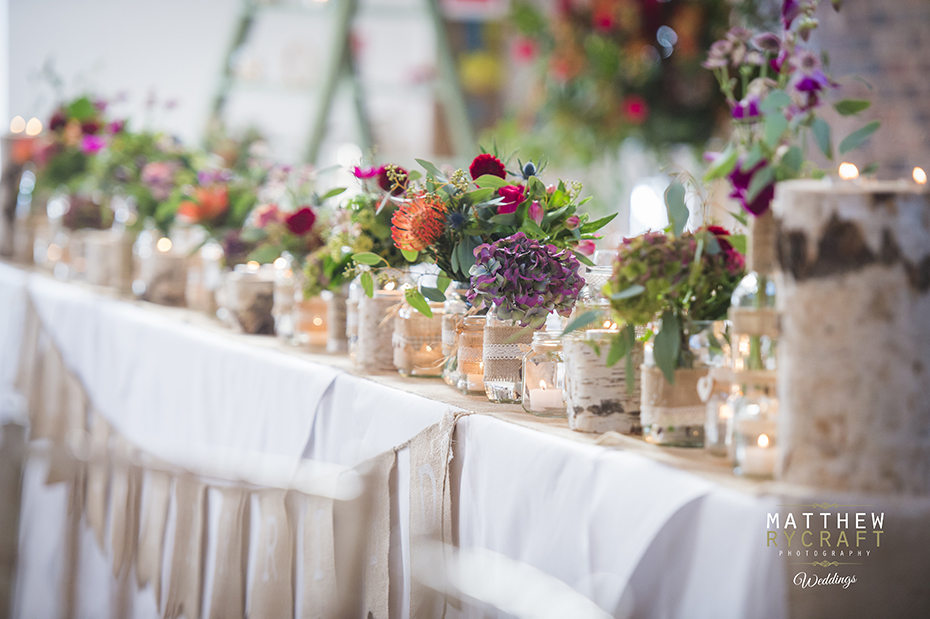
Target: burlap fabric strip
227 599
186 582
503 350
675 404
154 517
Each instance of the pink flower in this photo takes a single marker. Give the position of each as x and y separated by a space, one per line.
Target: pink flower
265 214
524 49
513 195
572 222
92 144
364 173
586 247
536 212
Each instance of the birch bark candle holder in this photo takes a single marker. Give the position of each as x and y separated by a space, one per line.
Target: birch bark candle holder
336 320
310 326
597 395
854 343
374 351
163 275
108 259
250 299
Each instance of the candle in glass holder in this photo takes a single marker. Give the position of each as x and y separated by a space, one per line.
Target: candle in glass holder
546 398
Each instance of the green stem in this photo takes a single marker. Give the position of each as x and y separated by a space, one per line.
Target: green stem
755 341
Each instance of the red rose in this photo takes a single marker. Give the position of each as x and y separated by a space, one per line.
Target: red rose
513 195
486 163
721 232
90 127
301 221
635 109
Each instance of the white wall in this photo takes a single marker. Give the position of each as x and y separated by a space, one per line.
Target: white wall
176 48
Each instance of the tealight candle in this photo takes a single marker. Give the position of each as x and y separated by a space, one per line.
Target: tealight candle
545 398
758 460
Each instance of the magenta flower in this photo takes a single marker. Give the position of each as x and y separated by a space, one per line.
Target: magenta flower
573 222
366 173
586 247
789 10
536 212
92 144
746 109
266 214
741 180
512 196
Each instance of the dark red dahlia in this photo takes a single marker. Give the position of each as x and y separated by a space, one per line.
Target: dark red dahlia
486 163
301 221
720 232
57 121
90 127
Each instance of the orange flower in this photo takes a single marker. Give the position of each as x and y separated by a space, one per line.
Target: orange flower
208 204
419 223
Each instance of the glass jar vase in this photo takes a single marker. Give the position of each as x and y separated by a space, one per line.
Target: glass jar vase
470 354
454 309
355 293
505 343
310 321
417 342
755 437
544 376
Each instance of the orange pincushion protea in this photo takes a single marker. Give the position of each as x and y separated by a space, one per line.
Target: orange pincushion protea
417 224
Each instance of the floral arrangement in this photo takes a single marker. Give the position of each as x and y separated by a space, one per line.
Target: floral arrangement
611 69
77 131
144 167
684 279
214 199
443 219
291 218
525 280
775 88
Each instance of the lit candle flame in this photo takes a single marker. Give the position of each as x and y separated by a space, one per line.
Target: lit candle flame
389 286
317 321
163 244
763 440
17 125
33 127
252 265
920 177
280 263
848 171
542 385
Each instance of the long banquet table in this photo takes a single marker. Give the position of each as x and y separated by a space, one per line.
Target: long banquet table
638 530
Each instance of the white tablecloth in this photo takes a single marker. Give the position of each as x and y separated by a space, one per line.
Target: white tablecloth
629 533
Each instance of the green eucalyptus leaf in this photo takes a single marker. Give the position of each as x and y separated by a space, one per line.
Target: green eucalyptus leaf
630 377
774 127
431 169
793 160
433 294
418 302
366 257
332 193
870 169
738 241
507 219
775 101
723 165
410 256
628 293
667 345
414 175
856 138
849 107
675 204
580 322
489 180
478 196
265 254
442 283
760 180
618 349
368 283
753 157
822 135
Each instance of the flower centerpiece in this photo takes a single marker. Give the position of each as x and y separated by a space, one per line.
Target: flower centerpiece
681 281
776 88
523 281
143 167
612 69
445 218
215 200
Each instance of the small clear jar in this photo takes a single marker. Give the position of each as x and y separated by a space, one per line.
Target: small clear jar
417 342
470 354
591 297
454 309
310 328
755 436
355 293
544 376
505 343
285 291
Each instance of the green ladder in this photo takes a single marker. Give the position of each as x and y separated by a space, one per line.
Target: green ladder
342 66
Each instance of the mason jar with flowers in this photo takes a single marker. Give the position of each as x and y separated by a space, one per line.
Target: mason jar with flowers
522 281
675 282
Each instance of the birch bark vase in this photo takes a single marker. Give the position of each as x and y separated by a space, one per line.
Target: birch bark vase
854 352
598 400
374 349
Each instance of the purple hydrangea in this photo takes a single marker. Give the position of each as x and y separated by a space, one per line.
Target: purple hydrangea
525 279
